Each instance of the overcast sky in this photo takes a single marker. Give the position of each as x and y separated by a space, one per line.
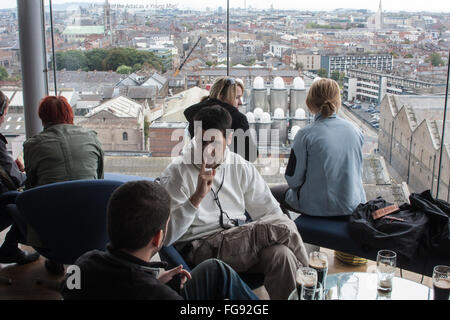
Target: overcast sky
392 5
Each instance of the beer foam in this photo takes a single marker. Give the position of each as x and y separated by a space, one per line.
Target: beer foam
306 280
318 263
442 283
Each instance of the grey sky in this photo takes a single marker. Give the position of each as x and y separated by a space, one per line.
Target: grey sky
391 5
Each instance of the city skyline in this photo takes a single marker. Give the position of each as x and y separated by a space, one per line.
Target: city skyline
321 5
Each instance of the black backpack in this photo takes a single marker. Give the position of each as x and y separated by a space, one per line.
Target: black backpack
417 228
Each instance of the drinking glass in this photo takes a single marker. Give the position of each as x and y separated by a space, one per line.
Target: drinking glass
319 261
441 282
386 263
309 293
348 287
306 278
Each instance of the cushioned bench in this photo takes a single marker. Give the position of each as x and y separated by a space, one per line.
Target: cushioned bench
333 233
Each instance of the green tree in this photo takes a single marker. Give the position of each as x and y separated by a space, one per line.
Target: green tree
95 58
3 73
136 67
299 65
70 60
408 56
124 69
322 73
335 75
394 55
115 58
436 60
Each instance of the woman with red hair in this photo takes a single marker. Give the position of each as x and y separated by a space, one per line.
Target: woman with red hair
62 151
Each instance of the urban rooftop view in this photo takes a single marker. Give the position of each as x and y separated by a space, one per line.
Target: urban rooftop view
129 69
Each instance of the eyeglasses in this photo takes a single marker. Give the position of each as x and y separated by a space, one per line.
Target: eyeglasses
230 82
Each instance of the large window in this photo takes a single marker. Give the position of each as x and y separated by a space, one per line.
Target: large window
116 62
11 77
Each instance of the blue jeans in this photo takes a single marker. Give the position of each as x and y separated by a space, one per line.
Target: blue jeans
215 280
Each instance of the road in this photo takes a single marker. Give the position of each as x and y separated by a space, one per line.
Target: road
370 133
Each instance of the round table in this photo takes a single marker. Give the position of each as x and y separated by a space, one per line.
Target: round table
402 289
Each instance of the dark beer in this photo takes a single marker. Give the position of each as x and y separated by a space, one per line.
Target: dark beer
305 280
441 289
320 264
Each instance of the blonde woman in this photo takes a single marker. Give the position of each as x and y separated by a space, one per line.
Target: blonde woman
324 172
226 92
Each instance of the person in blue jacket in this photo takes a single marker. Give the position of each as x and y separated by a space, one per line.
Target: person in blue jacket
324 171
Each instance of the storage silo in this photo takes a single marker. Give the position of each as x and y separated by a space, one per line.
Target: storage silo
264 124
259 96
278 96
299 119
298 96
252 125
280 124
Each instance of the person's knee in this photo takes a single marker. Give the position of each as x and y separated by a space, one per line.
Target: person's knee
277 254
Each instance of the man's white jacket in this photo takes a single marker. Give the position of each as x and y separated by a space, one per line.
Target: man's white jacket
243 189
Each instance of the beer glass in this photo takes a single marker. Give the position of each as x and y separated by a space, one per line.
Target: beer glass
319 261
441 282
306 278
386 264
308 293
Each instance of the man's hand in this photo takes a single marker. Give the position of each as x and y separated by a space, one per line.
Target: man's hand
166 276
20 164
204 184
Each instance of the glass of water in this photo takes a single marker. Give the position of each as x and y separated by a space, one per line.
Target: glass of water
386 264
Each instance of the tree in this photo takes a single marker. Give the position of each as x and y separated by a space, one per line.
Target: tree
70 60
136 67
335 75
3 74
322 73
115 58
299 66
408 56
124 69
338 76
394 55
95 58
436 60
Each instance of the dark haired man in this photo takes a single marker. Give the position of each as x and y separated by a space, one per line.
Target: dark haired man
211 189
137 217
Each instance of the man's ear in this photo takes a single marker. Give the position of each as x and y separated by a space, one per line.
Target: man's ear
158 239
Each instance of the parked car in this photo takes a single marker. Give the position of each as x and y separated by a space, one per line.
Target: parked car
370 109
356 106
